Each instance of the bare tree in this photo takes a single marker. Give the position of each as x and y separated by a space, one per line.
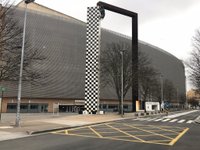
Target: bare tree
149 85
170 92
10 49
193 102
194 62
111 68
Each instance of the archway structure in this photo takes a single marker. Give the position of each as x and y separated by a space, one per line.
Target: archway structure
92 83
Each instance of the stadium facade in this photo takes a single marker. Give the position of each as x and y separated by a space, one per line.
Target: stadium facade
62 40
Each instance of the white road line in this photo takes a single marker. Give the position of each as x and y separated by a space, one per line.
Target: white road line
174 120
181 121
159 119
180 114
165 120
142 119
190 121
152 119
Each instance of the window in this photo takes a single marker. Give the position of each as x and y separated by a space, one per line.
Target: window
34 106
112 106
12 106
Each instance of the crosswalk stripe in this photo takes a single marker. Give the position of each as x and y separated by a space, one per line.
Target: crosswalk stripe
181 121
159 119
190 121
174 120
152 119
165 120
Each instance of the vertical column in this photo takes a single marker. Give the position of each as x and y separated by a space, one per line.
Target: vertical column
134 61
92 86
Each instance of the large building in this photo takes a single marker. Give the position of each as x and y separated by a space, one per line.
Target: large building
62 40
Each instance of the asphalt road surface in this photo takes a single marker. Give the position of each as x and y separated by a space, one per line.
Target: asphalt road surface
153 133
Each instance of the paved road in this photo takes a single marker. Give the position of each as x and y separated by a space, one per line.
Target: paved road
119 135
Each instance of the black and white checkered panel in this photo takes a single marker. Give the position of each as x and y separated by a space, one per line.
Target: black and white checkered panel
92 87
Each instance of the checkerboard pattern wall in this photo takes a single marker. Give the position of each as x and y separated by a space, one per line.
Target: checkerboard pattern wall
92 59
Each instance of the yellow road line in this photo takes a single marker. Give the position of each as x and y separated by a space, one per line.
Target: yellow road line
125 133
108 132
57 131
122 128
83 135
158 141
117 136
167 130
66 131
99 135
115 131
149 132
111 138
118 139
178 137
86 127
143 135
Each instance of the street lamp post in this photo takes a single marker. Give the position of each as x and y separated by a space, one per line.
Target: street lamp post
122 82
17 123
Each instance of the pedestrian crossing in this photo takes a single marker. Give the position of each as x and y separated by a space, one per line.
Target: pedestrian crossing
164 120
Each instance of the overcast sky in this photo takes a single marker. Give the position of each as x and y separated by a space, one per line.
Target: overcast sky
168 24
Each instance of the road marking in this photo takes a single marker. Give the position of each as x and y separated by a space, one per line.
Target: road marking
153 119
165 120
181 121
180 114
125 133
66 131
158 119
162 128
174 120
178 137
190 121
149 132
99 135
